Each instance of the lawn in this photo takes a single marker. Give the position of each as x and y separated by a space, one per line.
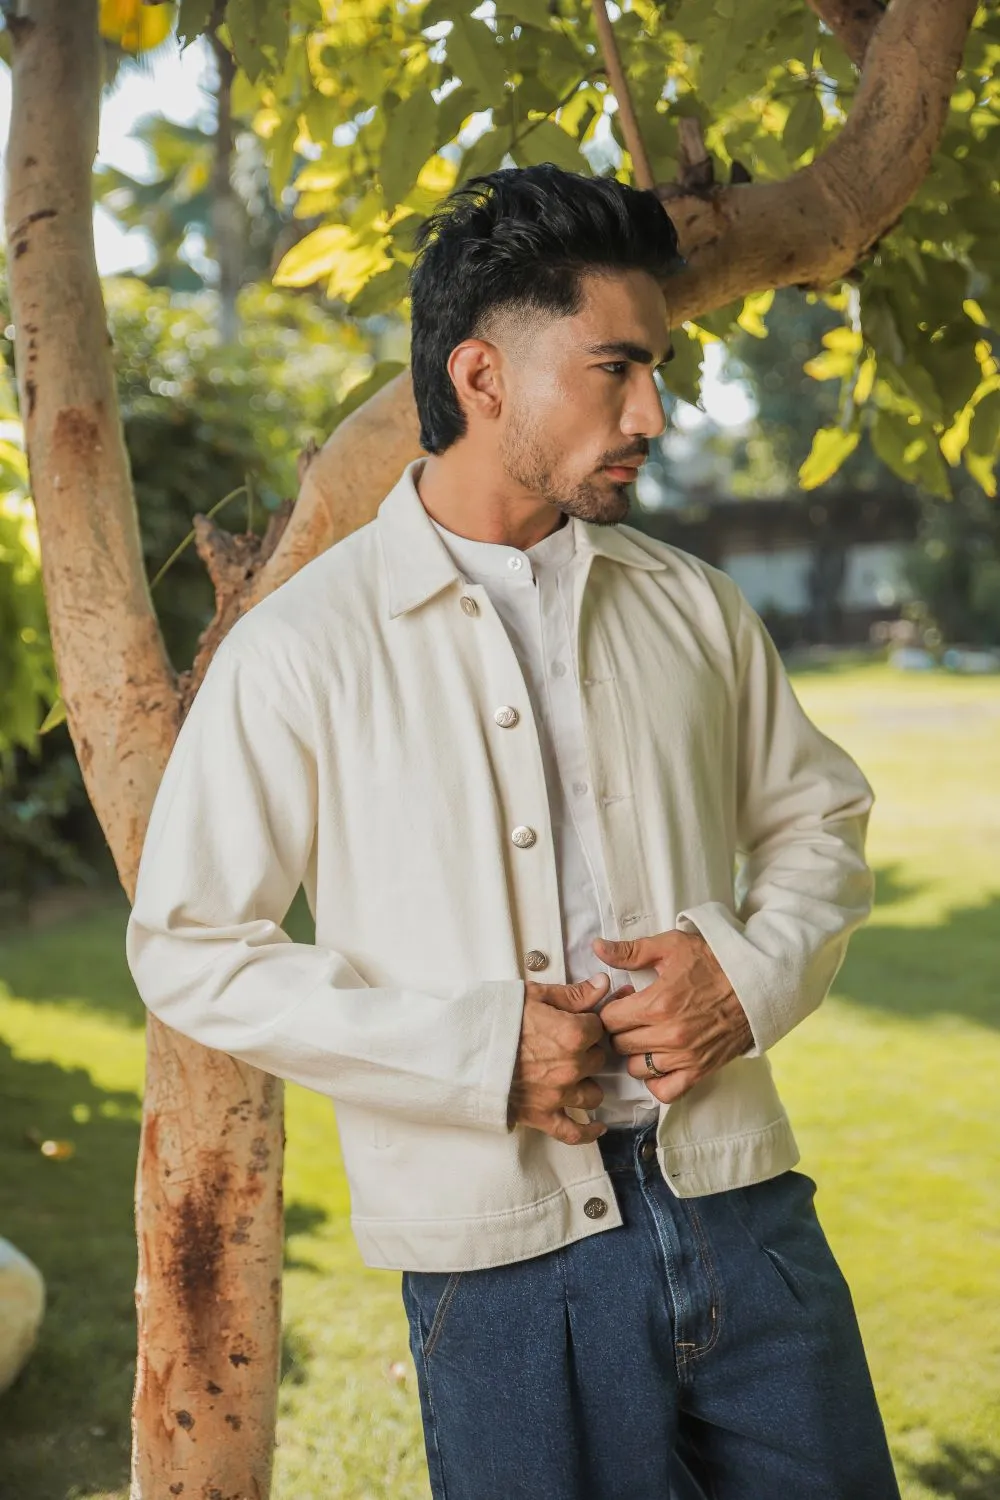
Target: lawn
892 1087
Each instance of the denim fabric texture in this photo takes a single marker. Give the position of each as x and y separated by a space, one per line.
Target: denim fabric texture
707 1349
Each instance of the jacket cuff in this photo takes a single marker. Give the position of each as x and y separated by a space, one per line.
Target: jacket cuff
506 1000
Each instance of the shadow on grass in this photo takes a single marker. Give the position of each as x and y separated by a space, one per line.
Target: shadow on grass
957 1472
65 1422
926 972
81 963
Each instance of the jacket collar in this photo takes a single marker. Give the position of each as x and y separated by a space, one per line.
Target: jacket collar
418 564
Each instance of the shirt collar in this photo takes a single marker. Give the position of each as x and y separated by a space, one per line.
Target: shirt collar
419 564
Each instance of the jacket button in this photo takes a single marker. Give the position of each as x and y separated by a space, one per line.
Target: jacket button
647 1150
469 605
523 837
506 717
595 1208
536 959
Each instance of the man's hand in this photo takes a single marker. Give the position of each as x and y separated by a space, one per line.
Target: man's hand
688 1019
559 1052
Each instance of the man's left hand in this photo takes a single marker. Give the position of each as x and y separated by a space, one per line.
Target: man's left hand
689 1019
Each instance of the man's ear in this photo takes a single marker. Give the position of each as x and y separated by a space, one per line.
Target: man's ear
474 369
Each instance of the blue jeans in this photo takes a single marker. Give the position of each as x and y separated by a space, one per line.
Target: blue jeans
708 1349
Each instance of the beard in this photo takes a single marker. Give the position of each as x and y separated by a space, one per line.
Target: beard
523 455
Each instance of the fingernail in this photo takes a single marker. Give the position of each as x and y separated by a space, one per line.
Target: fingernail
600 981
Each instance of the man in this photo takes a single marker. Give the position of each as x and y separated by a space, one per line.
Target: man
514 751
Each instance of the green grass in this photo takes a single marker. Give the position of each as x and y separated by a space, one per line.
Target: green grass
891 1087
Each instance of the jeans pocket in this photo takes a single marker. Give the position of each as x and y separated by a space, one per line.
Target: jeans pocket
433 1293
779 1216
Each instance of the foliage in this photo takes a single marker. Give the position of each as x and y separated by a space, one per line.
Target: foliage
393 105
172 203
904 1148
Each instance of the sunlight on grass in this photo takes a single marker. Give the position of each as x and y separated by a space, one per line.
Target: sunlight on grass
891 1087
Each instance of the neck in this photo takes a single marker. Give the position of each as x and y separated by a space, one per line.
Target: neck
457 492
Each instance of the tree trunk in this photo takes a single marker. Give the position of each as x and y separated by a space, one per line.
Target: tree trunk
209 1174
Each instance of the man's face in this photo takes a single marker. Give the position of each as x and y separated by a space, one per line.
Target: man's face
580 398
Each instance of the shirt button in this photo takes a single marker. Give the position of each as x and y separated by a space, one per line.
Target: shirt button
647 1150
523 837
595 1208
579 787
515 563
469 605
536 959
559 669
506 717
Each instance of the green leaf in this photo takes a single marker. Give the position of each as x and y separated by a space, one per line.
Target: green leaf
409 141
549 142
474 54
830 447
484 155
193 18
530 12
891 435
241 19
55 716
682 376
984 430
382 293
804 125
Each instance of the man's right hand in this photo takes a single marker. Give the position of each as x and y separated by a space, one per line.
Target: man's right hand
558 1055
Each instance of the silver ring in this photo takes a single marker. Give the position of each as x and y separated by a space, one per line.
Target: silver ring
652 1067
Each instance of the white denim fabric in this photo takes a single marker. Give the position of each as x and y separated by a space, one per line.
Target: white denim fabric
345 739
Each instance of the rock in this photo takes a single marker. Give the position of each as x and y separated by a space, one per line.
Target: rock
22 1303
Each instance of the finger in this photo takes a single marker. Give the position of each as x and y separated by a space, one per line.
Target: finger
664 1062
582 996
630 953
587 1094
592 1061
571 1133
668 1089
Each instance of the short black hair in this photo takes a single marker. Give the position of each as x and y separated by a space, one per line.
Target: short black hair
518 239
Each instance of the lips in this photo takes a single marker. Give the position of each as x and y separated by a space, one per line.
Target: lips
623 472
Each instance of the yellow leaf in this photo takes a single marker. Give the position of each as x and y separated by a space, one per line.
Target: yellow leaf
314 257
135 26
830 446
865 381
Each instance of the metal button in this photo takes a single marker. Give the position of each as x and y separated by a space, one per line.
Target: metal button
536 959
595 1208
469 605
647 1150
514 563
523 837
559 669
506 717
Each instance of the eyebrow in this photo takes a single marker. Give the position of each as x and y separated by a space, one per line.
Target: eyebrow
624 349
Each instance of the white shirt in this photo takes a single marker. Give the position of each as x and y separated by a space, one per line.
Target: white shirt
533 592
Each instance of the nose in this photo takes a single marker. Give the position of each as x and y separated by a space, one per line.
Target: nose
644 415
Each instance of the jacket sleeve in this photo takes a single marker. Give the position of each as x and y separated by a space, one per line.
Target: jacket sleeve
802 816
230 837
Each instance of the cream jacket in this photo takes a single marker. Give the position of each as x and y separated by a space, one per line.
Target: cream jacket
345 739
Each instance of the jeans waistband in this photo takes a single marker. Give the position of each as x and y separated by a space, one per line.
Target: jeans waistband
618 1147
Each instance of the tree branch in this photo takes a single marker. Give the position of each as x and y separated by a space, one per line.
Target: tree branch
853 23
619 87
